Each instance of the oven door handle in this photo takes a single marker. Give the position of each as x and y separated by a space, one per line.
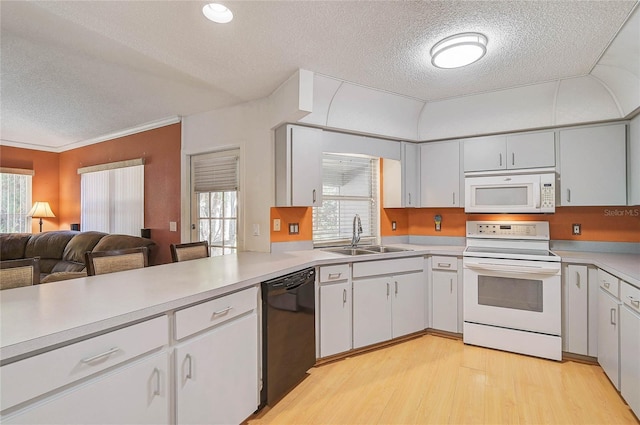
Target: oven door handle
513 269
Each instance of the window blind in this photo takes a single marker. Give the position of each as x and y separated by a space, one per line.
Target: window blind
215 173
15 200
349 187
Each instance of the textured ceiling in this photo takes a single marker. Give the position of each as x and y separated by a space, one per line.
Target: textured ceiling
74 71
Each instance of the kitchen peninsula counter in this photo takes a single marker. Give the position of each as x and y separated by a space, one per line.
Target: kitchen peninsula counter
39 318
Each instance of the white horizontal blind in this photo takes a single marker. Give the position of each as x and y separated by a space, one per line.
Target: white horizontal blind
215 173
349 187
112 201
15 202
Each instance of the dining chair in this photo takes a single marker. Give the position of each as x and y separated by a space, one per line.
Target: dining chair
101 262
189 251
17 273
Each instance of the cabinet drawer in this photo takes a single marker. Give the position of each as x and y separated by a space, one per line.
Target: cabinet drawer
609 283
203 316
444 263
630 295
33 376
386 267
334 273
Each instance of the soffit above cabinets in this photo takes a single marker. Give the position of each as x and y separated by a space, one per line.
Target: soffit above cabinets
73 71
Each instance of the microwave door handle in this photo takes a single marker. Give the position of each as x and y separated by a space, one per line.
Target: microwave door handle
536 194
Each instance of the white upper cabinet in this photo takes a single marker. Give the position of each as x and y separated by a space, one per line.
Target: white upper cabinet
510 152
593 166
485 153
440 174
298 166
410 174
531 150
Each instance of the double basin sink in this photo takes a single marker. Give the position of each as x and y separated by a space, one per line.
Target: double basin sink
365 250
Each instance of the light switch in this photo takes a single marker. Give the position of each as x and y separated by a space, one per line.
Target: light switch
394 225
294 228
256 230
173 226
276 224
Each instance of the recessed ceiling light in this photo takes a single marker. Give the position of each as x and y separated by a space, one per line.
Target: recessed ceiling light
217 12
459 50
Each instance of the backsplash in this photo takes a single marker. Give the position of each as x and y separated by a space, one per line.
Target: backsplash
610 224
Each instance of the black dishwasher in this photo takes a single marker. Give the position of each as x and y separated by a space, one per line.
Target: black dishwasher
288 333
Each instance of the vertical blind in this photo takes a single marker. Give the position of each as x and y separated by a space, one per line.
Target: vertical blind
112 200
349 187
15 200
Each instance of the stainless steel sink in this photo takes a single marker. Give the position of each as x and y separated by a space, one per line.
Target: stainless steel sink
382 249
365 250
350 251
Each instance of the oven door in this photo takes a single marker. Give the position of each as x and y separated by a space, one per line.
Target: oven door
515 294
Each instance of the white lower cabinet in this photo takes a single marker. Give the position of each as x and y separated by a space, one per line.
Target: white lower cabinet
608 336
216 373
575 295
444 284
135 394
630 346
335 318
387 306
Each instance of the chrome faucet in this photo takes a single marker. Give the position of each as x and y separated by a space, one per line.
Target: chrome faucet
357 231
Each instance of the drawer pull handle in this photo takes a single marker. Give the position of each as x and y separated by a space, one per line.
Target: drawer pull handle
101 355
607 285
188 375
221 312
447 265
335 275
636 303
156 390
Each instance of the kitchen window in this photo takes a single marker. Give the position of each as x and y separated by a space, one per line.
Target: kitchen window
15 201
214 180
349 187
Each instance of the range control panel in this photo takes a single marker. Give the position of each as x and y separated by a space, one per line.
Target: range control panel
508 229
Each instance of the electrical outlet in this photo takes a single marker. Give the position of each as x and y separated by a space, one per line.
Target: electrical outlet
276 224
577 229
394 225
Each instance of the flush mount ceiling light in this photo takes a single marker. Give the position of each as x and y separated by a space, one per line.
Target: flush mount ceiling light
217 13
459 50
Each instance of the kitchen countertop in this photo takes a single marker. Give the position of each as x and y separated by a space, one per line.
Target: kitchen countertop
38 318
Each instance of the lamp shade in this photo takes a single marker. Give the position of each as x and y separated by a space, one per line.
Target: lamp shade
41 210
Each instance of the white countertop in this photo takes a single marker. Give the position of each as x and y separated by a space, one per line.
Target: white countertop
38 318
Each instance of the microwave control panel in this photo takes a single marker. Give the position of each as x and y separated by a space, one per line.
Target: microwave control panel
547 195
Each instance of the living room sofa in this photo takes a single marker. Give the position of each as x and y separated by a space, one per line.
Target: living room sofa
62 252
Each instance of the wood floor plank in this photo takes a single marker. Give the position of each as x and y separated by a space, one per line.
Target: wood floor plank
438 380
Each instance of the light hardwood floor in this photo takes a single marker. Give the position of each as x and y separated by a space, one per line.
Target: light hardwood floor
437 380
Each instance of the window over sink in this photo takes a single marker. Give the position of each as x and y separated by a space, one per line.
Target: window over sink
349 187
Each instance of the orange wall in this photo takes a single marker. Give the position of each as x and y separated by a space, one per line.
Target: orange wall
45 182
301 215
56 179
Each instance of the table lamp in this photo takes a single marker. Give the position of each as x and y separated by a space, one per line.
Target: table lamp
41 210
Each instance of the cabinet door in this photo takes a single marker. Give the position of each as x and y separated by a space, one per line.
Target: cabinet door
306 166
576 310
608 336
440 174
217 374
485 153
593 166
134 394
335 318
371 311
444 302
531 150
408 309
630 358
410 174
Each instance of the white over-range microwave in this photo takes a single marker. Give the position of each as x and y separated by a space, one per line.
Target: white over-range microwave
533 192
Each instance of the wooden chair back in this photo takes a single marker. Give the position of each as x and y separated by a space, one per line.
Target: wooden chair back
189 251
101 262
17 273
